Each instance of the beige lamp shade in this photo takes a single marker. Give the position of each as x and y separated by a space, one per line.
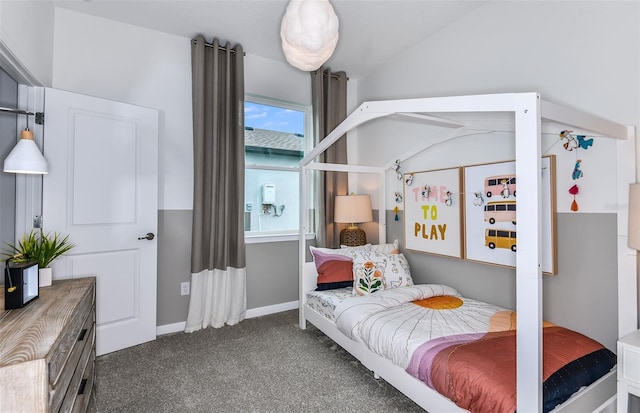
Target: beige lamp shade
352 209
309 33
25 158
634 217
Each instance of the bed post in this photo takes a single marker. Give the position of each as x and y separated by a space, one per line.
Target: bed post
302 246
382 208
627 271
529 253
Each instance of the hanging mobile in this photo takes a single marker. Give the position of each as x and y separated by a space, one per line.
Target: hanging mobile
426 192
396 168
448 200
574 190
577 173
409 179
395 211
398 196
478 200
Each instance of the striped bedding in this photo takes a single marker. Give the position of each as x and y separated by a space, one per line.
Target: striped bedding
464 348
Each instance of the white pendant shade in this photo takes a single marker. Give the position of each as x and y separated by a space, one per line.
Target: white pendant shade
309 33
25 158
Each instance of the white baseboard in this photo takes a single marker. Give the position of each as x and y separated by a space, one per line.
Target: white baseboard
271 309
170 328
251 313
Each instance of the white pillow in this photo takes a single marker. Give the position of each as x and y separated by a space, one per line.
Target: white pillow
348 251
368 277
393 248
366 247
394 268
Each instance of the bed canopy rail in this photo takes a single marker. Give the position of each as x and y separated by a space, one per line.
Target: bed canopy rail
528 112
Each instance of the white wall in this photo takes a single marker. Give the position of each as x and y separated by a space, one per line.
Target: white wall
580 53
113 60
26 29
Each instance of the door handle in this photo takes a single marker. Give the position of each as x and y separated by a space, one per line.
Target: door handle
149 236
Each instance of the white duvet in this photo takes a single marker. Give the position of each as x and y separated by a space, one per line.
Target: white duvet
389 324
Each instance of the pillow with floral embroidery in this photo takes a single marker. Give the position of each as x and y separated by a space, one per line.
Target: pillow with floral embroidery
394 268
368 278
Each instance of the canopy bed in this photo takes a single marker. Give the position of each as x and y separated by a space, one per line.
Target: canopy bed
530 115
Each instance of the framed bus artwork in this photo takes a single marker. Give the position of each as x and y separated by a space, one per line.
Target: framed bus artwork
433 212
490 225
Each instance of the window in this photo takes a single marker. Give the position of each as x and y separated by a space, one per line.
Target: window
276 138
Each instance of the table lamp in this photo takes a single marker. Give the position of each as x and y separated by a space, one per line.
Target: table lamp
352 209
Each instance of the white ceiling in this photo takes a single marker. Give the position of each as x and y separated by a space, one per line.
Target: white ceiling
371 31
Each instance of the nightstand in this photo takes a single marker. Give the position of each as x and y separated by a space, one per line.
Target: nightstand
628 369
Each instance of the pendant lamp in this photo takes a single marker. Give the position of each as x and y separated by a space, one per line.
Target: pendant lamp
25 158
309 33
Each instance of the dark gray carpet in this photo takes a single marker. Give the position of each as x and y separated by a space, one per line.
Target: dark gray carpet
263 364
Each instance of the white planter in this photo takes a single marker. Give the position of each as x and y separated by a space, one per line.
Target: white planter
44 274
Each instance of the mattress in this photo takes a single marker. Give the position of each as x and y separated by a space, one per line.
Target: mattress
325 302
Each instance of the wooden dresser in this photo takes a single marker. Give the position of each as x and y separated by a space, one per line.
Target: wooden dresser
47 350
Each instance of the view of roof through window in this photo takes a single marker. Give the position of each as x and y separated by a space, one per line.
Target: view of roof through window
260 116
274 130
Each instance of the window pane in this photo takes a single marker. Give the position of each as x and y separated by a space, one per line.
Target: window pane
274 142
274 118
272 203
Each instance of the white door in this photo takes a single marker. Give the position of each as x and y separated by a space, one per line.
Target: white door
102 190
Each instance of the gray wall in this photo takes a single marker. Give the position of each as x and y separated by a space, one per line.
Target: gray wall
8 136
272 269
582 297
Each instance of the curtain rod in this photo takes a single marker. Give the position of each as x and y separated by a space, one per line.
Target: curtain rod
219 47
244 54
39 115
18 111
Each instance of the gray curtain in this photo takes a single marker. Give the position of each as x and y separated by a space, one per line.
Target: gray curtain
218 287
218 147
329 100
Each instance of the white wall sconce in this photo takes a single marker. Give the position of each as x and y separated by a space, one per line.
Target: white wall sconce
25 158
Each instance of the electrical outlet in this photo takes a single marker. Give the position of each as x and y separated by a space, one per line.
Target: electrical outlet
184 288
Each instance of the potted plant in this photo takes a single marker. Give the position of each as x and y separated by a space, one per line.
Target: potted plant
41 247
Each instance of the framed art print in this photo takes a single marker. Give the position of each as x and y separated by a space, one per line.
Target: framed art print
433 212
490 214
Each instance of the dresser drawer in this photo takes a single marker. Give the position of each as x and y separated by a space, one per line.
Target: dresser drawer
64 349
630 361
75 349
47 351
81 385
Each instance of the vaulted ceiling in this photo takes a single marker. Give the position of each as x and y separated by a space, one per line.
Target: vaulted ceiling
371 31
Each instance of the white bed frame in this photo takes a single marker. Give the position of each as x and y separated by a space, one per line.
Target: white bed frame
531 115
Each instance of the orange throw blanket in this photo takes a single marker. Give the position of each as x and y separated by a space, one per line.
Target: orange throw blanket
479 375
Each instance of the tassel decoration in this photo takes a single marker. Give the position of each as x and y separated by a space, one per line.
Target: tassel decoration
574 190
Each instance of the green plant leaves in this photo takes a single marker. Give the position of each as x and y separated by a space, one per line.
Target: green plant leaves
38 246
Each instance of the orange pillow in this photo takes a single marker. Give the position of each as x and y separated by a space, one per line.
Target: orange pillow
334 270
